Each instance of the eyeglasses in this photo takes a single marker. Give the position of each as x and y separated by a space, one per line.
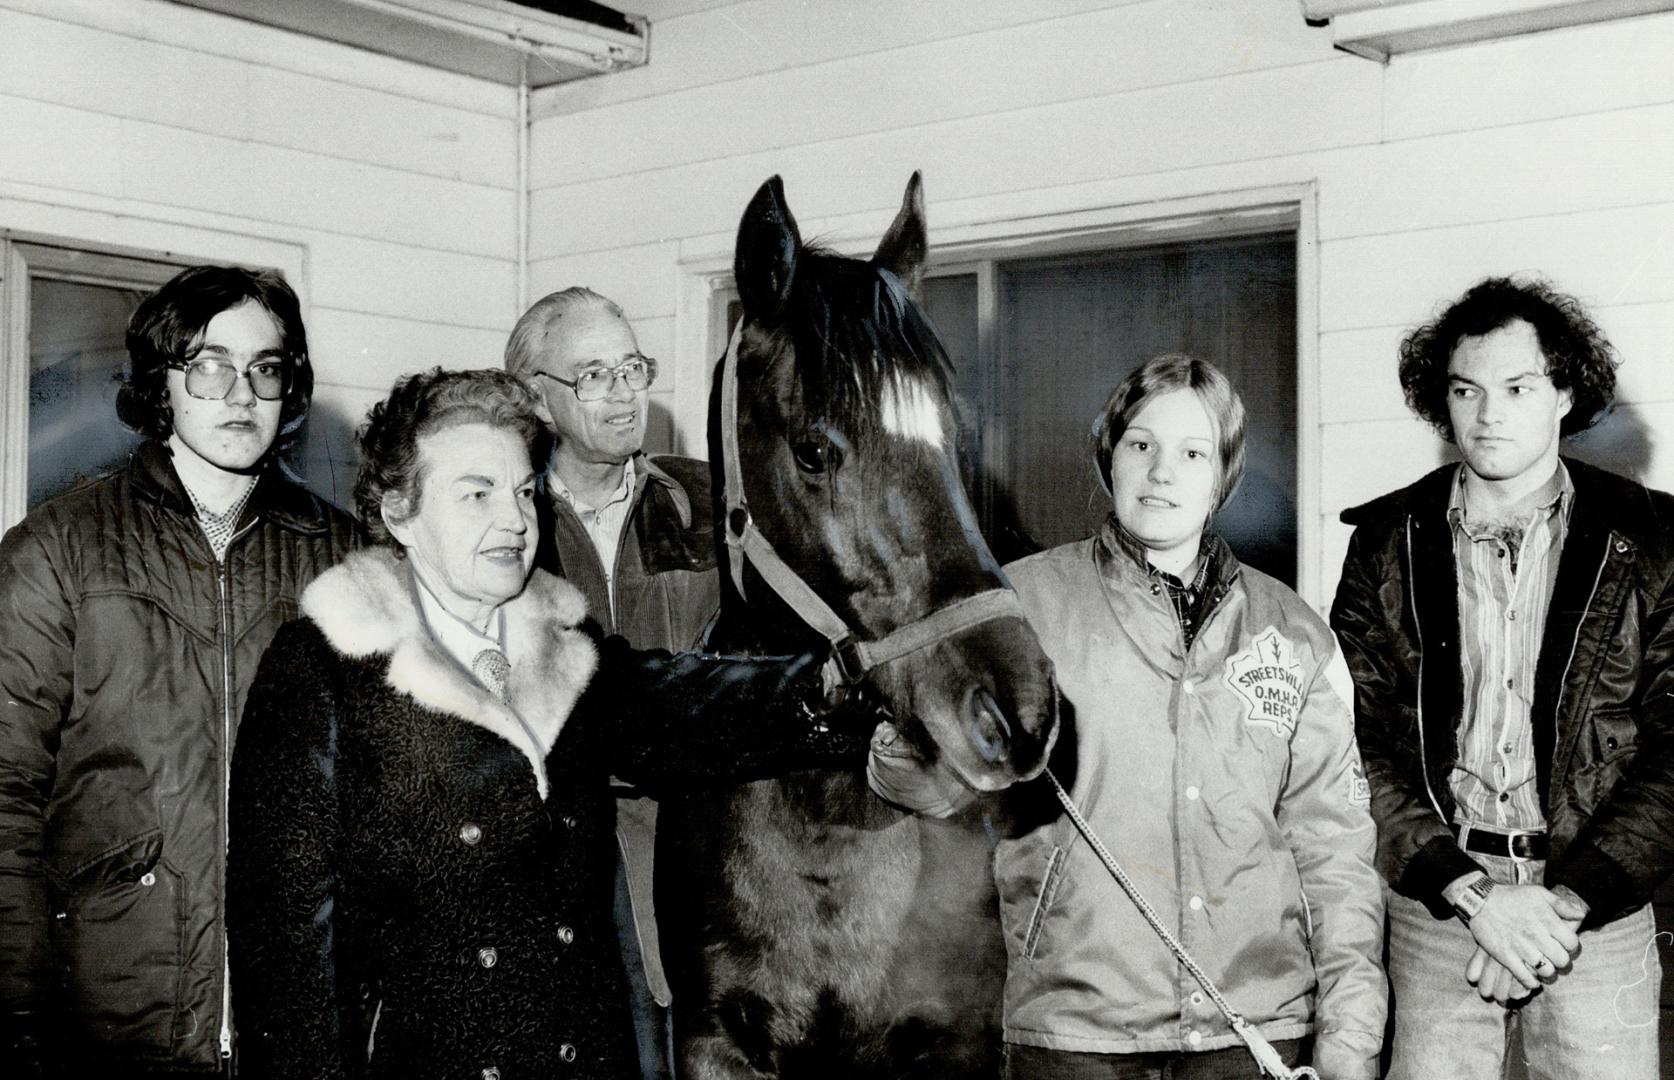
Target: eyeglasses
596 383
213 379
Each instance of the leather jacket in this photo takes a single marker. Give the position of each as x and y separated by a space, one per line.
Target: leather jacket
667 587
126 649
1603 708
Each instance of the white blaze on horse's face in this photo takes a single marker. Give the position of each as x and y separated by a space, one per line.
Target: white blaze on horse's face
911 411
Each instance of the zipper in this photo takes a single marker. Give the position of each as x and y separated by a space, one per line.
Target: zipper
1418 630
223 587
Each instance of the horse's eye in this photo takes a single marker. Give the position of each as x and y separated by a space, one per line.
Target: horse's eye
816 455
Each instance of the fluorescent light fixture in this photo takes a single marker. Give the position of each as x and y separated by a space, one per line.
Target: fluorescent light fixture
1379 29
488 39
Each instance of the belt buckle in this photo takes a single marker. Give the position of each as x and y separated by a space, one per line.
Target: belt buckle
1504 845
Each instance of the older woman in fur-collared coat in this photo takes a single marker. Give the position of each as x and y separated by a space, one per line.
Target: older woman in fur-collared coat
420 875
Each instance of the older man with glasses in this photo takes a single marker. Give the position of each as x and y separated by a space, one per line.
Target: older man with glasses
635 534
133 611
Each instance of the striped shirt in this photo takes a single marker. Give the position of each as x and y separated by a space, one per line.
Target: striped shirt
1506 574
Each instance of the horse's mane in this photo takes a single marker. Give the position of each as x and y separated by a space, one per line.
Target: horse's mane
855 329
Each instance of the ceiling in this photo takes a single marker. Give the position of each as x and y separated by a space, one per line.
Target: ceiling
556 40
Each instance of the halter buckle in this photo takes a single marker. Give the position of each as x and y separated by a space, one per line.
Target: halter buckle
849 658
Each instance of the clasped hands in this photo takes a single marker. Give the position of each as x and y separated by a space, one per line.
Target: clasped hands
1526 935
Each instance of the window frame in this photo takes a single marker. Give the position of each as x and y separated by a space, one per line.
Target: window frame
976 235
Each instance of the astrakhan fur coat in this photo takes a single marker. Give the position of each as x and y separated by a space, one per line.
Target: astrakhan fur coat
420 876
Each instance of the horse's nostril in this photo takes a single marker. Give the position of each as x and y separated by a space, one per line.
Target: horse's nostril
990 733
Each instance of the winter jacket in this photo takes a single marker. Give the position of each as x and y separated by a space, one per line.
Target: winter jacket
1224 778
421 877
668 590
125 653
1603 706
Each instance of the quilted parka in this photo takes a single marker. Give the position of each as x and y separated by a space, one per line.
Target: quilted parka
126 650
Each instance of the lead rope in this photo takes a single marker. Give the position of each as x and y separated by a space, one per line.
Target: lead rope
1260 1049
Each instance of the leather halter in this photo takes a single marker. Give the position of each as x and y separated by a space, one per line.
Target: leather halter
851 657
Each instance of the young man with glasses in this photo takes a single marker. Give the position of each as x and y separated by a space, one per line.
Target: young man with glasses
635 534
133 611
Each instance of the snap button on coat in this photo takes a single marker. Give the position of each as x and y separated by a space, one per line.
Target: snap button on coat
471 833
566 1052
491 1073
566 935
488 957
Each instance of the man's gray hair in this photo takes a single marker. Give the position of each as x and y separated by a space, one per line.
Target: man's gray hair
523 348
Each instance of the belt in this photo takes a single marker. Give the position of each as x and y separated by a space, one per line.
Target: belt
1523 845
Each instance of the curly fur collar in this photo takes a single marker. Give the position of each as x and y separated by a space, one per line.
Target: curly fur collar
365 606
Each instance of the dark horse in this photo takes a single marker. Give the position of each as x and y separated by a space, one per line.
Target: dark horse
810 928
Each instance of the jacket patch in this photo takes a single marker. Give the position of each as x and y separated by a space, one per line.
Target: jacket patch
1268 679
1359 788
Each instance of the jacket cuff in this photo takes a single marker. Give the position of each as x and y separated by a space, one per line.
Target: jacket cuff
1597 879
1346 1054
1436 865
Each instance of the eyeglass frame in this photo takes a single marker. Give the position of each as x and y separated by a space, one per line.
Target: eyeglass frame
286 374
616 374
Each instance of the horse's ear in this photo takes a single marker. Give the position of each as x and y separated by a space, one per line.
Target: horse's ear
904 247
765 259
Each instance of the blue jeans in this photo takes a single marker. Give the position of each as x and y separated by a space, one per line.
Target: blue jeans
653 1033
1597 1021
1233 1063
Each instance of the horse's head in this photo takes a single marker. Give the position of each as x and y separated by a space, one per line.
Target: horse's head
849 466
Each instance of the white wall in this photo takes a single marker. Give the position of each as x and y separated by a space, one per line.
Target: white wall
1552 152
387 191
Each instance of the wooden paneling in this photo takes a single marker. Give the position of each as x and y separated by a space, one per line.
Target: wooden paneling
1607 257
1595 162
150 23
1248 116
1003 72
640 279
1591 69
1364 460
54 146
370 351
735 41
406 281
195 88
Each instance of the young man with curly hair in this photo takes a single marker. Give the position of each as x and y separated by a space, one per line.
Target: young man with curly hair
133 611
1509 622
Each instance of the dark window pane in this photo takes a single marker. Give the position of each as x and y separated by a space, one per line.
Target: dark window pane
1072 327
76 358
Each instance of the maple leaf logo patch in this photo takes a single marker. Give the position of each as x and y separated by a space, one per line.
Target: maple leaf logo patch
1267 678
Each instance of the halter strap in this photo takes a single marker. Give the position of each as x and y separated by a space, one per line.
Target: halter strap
851 658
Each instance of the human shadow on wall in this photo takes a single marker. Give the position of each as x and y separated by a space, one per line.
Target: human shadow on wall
325 457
